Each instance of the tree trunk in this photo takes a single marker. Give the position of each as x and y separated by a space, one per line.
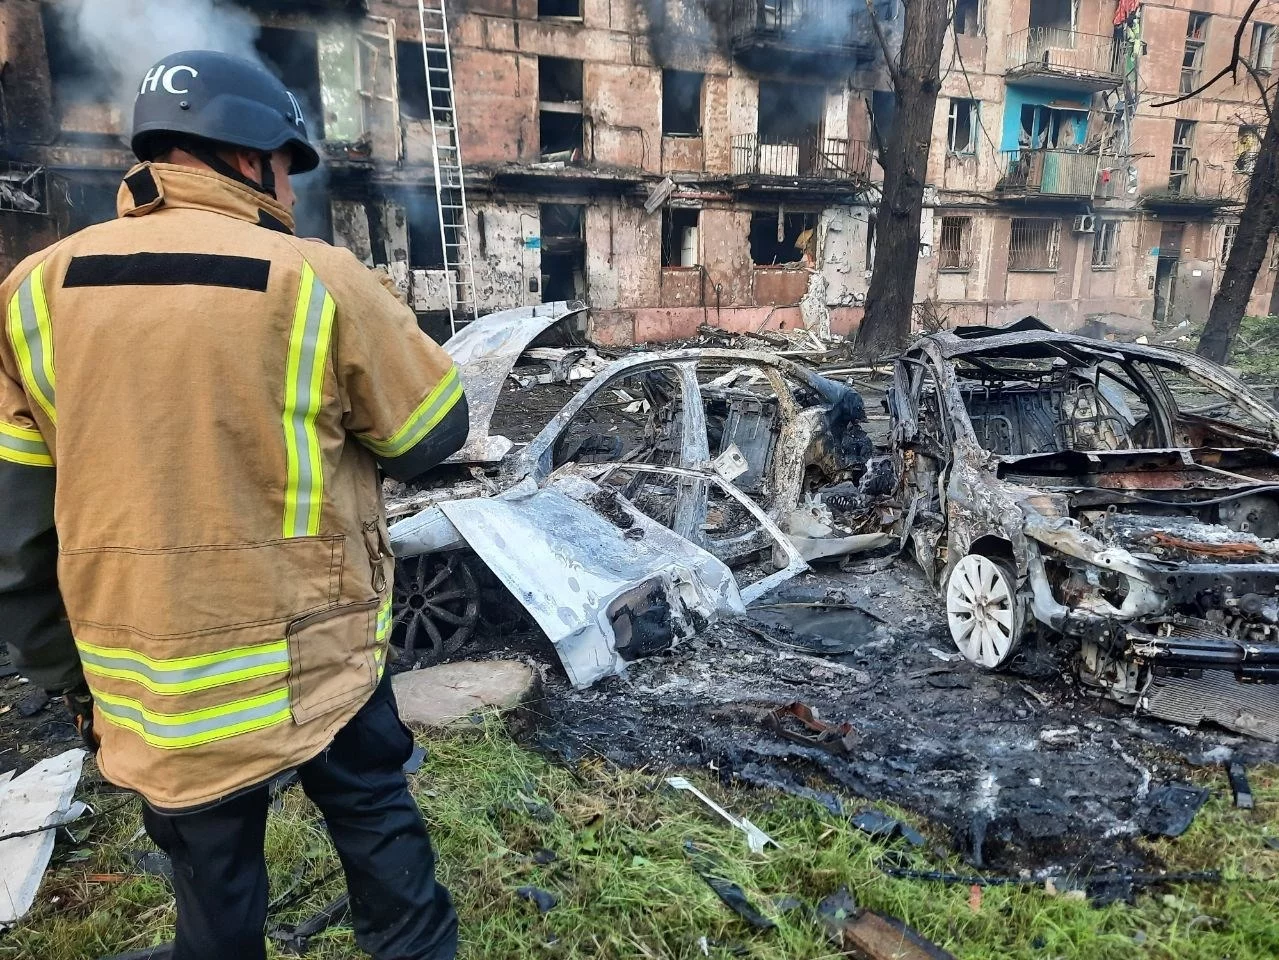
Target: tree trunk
1258 220
890 299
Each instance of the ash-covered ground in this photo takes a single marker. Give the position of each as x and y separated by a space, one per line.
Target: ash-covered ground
1024 768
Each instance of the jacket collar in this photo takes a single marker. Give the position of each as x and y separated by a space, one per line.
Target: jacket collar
150 186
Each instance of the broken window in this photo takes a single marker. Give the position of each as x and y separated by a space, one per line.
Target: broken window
73 74
1247 148
968 17
790 113
1052 128
680 237
426 252
413 83
961 128
638 416
1183 136
23 188
1105 244
775 237
559 86
1228 240
563 251
559 8
294 57
1034 244
559 80
956 243
1053 14
681 103
1193 54
1261 53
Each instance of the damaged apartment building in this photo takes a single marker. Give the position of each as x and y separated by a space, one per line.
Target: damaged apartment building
675 163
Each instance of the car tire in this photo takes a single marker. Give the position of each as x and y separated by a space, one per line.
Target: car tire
982 610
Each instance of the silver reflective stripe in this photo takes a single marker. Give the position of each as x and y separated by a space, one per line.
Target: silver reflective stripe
33 339
156 677
193 729
304 399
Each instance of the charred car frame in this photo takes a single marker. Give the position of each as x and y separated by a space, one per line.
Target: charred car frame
1121 497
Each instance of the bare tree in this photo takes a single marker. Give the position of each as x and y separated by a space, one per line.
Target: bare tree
916 80
1257 220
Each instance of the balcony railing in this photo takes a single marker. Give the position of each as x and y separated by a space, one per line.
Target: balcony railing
814 158
1065 58
803 24
1054 173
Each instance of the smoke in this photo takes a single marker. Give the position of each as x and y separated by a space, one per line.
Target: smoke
115 42
122 39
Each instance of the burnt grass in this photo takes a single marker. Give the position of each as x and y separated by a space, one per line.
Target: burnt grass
1024 769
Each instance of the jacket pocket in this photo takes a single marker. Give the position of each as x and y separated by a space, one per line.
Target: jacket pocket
330 659
184 591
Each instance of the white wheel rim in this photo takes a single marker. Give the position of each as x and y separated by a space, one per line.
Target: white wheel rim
979 608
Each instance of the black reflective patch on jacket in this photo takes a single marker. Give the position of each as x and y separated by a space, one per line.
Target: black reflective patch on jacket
273 223
142 187
168 269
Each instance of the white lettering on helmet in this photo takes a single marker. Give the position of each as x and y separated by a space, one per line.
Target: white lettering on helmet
297 109
171 73
152 79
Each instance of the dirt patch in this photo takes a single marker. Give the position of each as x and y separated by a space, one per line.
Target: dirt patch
31 726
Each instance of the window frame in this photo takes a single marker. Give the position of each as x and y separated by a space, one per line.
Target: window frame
1105 242
1052 252
952 125
1183 151
1228 233
963 252
1261 47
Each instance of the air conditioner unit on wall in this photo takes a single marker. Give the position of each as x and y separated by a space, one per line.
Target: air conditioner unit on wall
1084 223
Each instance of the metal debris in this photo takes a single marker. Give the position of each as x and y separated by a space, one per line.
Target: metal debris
756 838
1170 810
1239 786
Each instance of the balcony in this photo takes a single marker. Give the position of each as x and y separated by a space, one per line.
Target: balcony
1064 59
834 161
1064 174
812 35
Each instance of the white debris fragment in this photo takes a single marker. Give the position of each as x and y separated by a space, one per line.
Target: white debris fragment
38 798
756 838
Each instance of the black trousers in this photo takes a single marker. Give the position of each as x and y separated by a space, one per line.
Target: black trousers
219 866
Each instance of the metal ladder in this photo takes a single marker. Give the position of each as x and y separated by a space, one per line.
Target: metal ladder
446 154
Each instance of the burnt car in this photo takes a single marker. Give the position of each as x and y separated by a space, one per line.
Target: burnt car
1120 498
651 502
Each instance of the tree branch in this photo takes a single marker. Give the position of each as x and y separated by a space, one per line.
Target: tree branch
893 73
1229 68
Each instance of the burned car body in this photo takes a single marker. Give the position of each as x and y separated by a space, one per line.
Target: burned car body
1122 497
717 447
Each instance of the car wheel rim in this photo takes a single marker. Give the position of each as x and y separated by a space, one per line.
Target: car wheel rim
435 606
980 610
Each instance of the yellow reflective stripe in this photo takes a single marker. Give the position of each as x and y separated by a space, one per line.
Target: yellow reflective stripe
20 445
186 674
31 336
24 446
195 727
421 421
384 619
303 399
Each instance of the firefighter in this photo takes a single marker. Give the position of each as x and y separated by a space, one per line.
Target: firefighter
194 407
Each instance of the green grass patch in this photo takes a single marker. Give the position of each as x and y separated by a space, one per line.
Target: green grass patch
627 888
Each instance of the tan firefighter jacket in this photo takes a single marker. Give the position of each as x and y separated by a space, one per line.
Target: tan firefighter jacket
204 398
